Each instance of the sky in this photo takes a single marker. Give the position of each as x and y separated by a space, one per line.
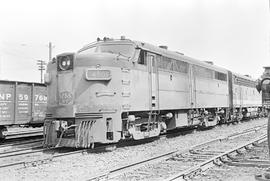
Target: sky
234 34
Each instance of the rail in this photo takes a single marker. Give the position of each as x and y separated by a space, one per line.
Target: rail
214 160
119 171
50 156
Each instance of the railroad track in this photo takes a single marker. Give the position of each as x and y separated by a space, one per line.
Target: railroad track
21 140
218 159
175 165
20 143
28 133
38 155
258 157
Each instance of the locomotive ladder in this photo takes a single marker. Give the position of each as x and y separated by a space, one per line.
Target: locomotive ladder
153 84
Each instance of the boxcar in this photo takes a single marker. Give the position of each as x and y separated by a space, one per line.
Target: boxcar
21 103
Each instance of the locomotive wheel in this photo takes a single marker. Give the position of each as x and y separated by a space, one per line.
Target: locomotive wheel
2 136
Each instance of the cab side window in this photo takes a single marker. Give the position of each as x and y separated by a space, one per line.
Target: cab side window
142 57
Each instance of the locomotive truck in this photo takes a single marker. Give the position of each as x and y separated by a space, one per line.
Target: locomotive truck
112 90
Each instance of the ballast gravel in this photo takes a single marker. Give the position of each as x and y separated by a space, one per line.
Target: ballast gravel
85 166
238 173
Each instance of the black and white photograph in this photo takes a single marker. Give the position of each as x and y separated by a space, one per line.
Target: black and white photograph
131 90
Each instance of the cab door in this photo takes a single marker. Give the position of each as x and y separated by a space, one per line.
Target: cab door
192 87
242 91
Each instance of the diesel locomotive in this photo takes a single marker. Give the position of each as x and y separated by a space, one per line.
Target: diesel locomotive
112 90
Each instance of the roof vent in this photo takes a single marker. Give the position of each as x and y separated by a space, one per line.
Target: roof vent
209 62
123 37
107 38
180 53
248 76
164 47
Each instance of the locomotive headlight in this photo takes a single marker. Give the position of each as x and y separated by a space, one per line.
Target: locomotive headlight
65 62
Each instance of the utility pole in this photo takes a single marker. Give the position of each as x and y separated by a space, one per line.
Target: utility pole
0 66
50 51
41 66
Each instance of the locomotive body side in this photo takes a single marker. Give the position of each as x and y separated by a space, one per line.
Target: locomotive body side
182 87
211 88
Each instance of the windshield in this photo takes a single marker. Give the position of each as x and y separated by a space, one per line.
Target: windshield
126 50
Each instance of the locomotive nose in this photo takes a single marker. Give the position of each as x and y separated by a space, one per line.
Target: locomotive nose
64 89
65 95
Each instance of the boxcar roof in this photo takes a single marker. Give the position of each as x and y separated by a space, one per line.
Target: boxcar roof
21 82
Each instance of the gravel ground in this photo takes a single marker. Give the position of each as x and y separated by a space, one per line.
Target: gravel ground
82 167
164 169
233 173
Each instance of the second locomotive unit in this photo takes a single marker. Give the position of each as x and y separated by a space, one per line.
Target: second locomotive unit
121 89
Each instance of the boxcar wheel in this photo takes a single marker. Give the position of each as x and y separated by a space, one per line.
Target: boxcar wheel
2 136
